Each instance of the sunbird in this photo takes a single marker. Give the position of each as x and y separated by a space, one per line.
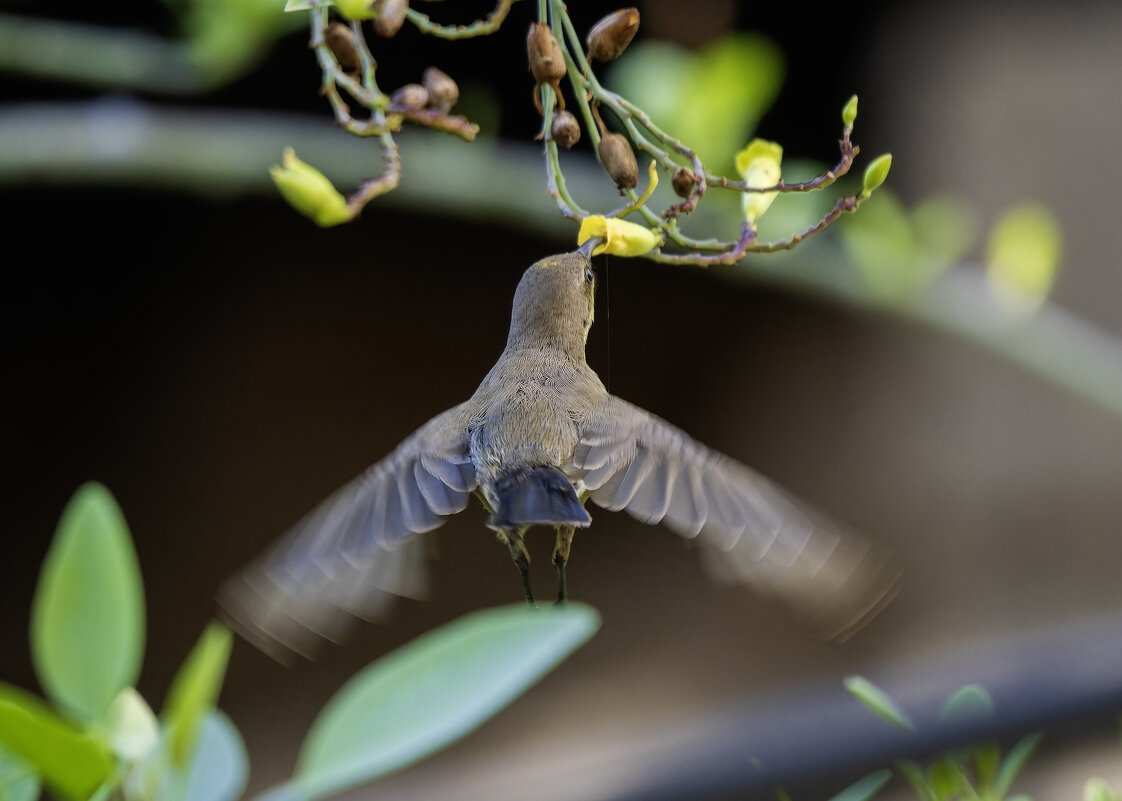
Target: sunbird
541 437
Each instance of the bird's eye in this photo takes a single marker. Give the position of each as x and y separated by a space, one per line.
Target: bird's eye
589 276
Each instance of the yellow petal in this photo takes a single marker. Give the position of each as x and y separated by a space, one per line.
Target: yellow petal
759 166
621 238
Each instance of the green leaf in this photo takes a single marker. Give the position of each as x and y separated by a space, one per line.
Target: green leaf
711 99
987 759
433 691
916 778
18 779
1096 789
194 690
87 620
878 702
865 788
219 769
72 764
1013 763
971 702
945 778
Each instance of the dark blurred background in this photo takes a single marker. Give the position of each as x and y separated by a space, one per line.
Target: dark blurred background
221 365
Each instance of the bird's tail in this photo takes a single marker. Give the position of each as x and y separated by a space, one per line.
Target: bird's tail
537 495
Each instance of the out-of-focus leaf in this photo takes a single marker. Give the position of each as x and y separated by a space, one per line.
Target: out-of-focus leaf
878 702
1096 789
880 242
987 760
219 768
72 764
1023 255
87 621
944 231
432 692
711 100
945 778
18 780
866 788
195 689
971 702
916 778
1013 763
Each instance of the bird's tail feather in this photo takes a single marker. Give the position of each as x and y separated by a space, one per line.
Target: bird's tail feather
537 495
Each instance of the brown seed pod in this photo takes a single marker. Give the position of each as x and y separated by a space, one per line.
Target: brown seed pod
683 181
619 160
565 129
547 63
443 91
341 42
389 16
610 36
412 96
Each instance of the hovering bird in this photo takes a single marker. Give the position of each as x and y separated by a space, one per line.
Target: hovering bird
538 439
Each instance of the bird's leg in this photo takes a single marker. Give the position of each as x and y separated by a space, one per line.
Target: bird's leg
561 558
521 557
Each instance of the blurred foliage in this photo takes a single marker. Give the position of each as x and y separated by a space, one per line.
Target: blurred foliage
712 98
99 738
978 772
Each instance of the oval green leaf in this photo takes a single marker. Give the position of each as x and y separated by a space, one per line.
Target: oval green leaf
219 768
971 702
87 620
194 690
433 691
18 780
878 702
71 764
1013 763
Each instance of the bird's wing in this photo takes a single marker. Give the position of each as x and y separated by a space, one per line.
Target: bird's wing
351 553
629 459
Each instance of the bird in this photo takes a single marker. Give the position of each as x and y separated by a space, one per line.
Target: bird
539 438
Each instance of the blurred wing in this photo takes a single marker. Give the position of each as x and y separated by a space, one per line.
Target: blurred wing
353 552
629 459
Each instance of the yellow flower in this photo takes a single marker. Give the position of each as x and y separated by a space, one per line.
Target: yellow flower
621 238
758 165
309 192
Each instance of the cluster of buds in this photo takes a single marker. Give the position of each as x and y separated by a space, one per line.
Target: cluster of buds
606 41
437 92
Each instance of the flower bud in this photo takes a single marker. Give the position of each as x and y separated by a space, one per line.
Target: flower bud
610 36
619 160
389 16
341 42
443 91
565 129
849 112
412 96
683 181
875 173
546 60
309 192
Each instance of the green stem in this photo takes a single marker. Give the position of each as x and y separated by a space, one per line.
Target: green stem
481 27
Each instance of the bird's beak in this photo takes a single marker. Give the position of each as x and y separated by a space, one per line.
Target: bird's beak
589 246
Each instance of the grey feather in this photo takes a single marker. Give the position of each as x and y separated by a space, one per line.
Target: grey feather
353 552
630 459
